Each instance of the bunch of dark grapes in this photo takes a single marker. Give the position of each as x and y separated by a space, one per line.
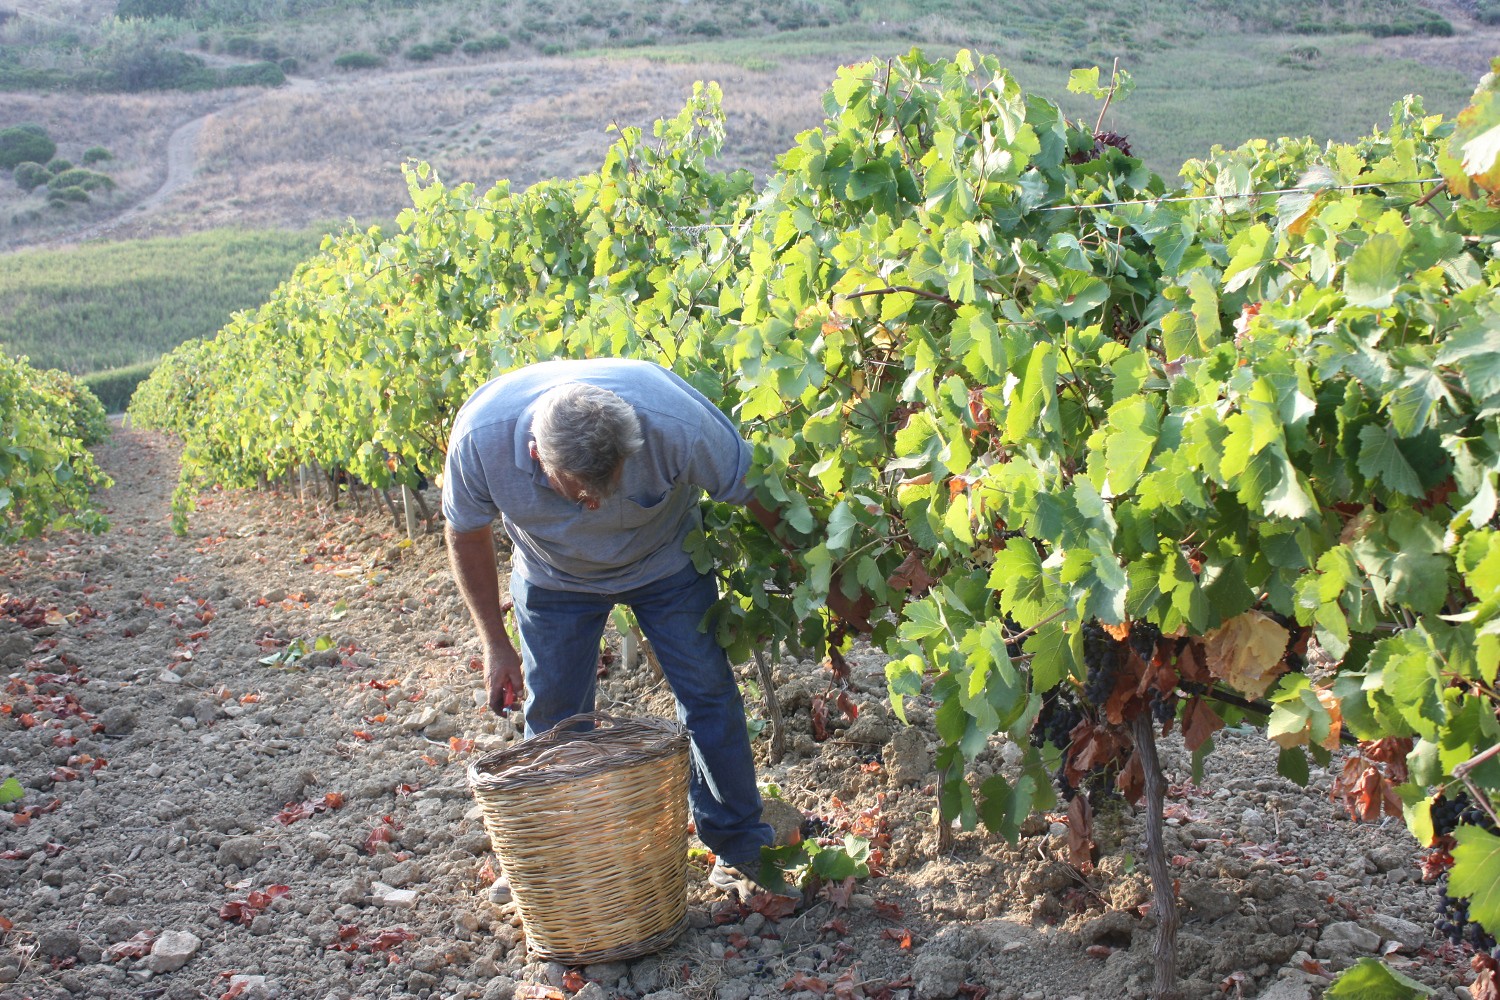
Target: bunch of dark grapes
1101 654
814 827
1453 913
1143 639
1060 713
1102 140
1163 707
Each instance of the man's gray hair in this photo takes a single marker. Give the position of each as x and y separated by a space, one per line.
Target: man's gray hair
585 432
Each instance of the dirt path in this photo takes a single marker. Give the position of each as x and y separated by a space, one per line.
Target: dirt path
187 746
181 157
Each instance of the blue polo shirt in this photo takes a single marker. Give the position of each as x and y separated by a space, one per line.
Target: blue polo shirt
636 536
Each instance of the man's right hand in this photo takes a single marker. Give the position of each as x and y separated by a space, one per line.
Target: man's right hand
502 678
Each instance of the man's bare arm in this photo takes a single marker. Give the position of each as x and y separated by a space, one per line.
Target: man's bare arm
472 556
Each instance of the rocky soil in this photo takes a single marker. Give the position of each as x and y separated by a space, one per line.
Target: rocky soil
243 759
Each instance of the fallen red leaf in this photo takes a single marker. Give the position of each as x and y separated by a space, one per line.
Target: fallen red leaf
890 911
573 981
900 935
138 946
382 834
841 893
388 939
771 906
361 734
301 810
801 981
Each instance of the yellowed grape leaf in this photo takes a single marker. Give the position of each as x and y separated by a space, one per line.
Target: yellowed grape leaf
1246 653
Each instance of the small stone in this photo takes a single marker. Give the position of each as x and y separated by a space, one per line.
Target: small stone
908 759
401 874
500 988
252 987
1209 901
1347 939
784 818
172 951
1407 936
241 852
1286 989
937 976
58 943
401 899
117 720
607 972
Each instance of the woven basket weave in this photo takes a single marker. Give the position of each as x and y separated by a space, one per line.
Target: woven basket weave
591 828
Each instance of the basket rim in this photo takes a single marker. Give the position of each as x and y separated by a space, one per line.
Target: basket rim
568 753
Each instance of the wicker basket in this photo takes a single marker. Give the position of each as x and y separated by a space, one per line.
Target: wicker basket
591 827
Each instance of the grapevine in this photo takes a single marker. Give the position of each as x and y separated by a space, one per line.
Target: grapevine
47 420
1198 434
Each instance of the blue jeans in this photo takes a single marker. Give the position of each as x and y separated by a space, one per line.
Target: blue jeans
560 633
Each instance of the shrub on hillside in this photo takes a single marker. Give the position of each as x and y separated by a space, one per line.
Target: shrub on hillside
358 60
78 177
96 154
241 45
59 166
494 43
1488 11
67 196
261 74
156 68
421 52
23 144
30 176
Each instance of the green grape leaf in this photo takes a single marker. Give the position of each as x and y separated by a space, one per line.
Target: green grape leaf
1380 458
11 791
1374 272
1476 874
1371 979
1291 764
1038 387
1086 81
1051 656
1134 428
841 525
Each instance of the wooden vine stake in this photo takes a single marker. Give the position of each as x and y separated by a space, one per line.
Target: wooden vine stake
409 506
773 706
1164 897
